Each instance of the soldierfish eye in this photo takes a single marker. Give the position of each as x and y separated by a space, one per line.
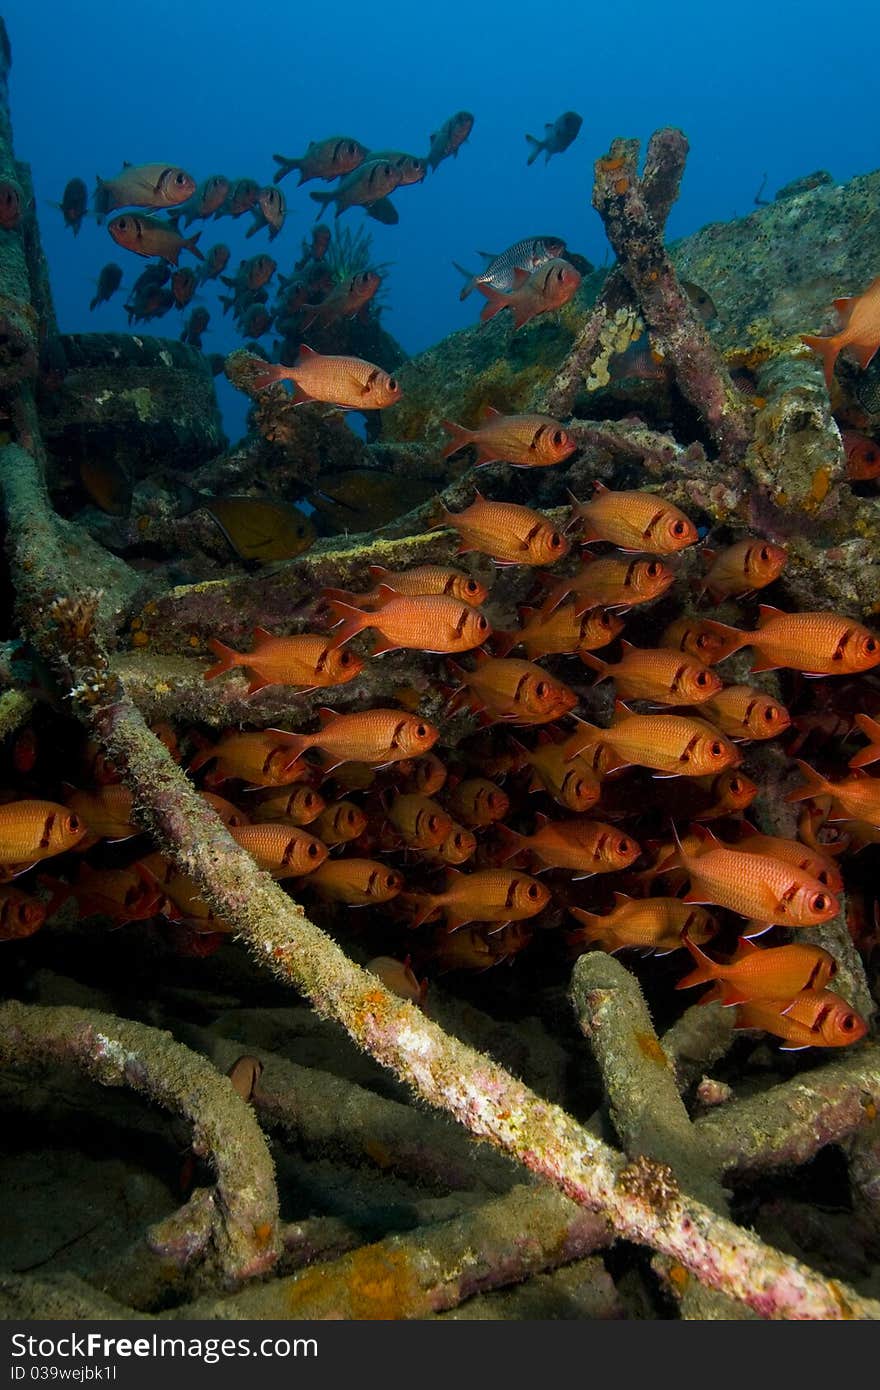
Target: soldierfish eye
482 624
421 731
74 824
180 178
542 689
555 540
679 528
735 785
623 846
559 438
533 891
653 569
870 644
702 678
716 749
471 587
764 553
848 1022
313 850
819 902
771 714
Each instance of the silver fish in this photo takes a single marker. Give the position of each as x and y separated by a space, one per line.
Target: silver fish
528 255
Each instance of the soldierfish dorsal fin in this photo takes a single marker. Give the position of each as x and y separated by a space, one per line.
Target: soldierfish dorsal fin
766 613
490 413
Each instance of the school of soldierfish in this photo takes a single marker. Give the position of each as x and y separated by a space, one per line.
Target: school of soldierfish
373 810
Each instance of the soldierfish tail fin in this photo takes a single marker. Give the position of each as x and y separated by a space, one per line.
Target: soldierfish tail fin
512 843
871 729
286 166
537 147
229 659
439 515
706 970
504 642
460 437
100 199
595 664
469 276
191 245
828 349
592 928
350 621
497 302
341 596
814 786
263 374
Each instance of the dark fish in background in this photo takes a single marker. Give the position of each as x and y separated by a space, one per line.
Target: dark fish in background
412 168
241 198
142 186
216 261
316 249
210 195
702 302
183 286
447 140
366 184
195 326
252 274
527 255
74 204
109 280
241 300
217 363
343 301
255 321
152 277
150 236
361 499
256 528
558 135
547 288
152 304
270 212
10 204
332 158
638 362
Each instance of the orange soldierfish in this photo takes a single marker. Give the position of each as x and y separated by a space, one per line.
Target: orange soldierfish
511 691
357 882
742 569
758 973
375 736
860 332
653 924
761 887
284 850
814 1018
458 847
548 287
855 798
425 622
633 521
611 582
566 777
151 236
727 793
347 382
229 814
106 812
478 802
563 631
20 915
332 158
143 186
265 759
421 822
511 534
862 456
487 895
819 644
700 637
33 830
871 729
744 712
423 579
657 674
525 441
586 846
467 949
427 775
123 895
672 744
813 861
399 977
339 822
298 804
308 660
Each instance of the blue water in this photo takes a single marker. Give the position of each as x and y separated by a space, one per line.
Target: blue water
217 87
